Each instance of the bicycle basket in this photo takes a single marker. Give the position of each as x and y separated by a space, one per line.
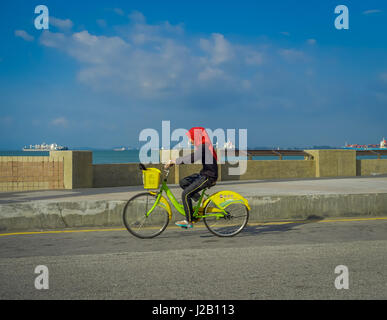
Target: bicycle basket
151 178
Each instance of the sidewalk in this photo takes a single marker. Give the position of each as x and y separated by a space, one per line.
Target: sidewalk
279 199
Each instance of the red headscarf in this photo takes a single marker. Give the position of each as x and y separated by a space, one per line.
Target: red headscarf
199 136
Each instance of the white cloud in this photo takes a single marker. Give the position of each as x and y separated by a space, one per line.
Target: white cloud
54 40
158 62
218 47
177 29
119 11
311 41
63 24
102 23
210 73
373 11
59 122
285 33
96 50
142 33
254 58
291 54
24 35
137 17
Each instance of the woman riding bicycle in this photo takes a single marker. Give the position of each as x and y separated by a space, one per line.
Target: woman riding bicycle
207 177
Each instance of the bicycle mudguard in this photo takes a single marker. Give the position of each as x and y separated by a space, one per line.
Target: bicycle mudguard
224 198
164 203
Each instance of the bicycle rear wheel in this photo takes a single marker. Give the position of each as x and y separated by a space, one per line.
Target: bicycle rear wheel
136 220
229 225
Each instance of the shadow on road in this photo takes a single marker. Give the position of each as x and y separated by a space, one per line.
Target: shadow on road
269 228
251 230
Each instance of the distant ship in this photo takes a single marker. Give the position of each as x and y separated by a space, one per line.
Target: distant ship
382 145
119 149
226 145
44 147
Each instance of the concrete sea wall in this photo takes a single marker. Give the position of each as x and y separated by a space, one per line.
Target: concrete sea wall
74 169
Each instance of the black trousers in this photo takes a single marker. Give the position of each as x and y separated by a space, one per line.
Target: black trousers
192 185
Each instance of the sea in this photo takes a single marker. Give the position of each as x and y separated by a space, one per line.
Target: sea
132 156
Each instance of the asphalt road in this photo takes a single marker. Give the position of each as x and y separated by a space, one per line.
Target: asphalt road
272 261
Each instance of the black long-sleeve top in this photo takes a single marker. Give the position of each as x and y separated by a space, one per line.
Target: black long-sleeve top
203 152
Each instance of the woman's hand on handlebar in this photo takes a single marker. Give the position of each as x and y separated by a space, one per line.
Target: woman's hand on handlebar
169 164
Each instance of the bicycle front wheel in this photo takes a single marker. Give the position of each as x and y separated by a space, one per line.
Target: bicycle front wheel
229 225
138 222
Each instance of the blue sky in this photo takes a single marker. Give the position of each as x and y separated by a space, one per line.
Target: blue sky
105 70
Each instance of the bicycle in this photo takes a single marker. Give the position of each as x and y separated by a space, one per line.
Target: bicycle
147 214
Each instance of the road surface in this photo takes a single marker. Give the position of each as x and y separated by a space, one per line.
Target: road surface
288 260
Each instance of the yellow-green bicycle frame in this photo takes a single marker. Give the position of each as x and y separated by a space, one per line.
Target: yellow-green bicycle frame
221 199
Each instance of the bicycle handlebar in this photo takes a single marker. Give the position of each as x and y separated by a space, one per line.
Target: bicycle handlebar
166 171
165 174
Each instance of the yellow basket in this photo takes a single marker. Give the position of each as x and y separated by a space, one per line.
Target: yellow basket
151 178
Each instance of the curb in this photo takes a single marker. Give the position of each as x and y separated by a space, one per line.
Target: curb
44 215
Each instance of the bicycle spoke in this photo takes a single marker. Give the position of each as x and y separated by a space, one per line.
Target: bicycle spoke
138 222
230 224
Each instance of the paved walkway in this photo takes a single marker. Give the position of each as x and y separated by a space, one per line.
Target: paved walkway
357 185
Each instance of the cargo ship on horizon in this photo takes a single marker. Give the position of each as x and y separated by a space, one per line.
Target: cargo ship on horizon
45 147
382 145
